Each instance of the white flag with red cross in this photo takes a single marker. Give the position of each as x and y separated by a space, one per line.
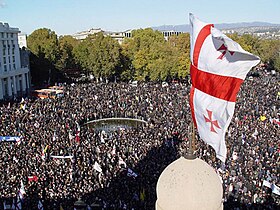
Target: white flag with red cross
218 68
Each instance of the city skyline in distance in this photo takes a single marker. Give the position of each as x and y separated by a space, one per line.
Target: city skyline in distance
72 16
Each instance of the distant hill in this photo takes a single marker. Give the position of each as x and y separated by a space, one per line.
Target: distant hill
186 27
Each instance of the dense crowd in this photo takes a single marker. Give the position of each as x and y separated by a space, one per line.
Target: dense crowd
93 164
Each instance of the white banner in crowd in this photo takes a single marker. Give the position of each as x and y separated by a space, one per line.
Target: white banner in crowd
97 167
266 183
61 157
10 138
274 187
131 173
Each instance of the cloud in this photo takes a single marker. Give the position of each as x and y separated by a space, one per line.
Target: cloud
2 4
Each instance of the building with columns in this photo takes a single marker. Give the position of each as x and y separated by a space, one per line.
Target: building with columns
120 36
14 76
84 34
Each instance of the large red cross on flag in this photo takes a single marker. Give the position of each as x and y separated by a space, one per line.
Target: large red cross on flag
218 68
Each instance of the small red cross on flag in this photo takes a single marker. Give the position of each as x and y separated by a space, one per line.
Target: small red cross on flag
212 122
224 50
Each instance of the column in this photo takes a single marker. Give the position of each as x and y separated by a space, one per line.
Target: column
1 89
27 81
23 83
10 93
15 85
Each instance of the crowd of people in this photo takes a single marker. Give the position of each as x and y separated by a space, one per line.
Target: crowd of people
59 160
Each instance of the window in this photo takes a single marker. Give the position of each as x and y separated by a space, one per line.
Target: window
13 50
4 51
5 68
12 35
14 66
2 34
4 58
14 59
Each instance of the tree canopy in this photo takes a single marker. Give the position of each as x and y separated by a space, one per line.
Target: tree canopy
144 56
43 45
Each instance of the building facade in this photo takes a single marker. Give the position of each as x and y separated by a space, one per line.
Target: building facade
120 36
14 77
167 34
84 34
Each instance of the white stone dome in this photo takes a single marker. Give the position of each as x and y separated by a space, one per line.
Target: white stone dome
189 184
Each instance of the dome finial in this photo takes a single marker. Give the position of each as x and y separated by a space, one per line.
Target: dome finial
190 152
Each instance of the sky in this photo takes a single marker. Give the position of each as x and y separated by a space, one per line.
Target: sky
71 16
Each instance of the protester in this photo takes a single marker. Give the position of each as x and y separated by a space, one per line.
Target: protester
58 160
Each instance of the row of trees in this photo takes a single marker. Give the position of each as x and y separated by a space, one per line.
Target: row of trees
145 56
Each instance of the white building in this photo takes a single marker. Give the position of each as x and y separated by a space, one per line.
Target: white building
119 36
84 34
167 34
14 77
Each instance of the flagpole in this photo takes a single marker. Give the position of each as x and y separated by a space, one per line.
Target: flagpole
190 153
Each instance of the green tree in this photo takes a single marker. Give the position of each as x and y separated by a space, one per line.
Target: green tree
104 55
142 50
81 54
269 51
43 44
66 58
276 63
182 45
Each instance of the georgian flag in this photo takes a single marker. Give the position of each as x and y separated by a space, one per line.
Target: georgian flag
218 68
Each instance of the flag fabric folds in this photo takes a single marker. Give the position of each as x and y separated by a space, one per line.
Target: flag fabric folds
6 206
262 118
10 138
218 68
275 189
40 205
131 173
122 163
77 136
33 178
44 152
97 167
20 196
61 156
21 190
